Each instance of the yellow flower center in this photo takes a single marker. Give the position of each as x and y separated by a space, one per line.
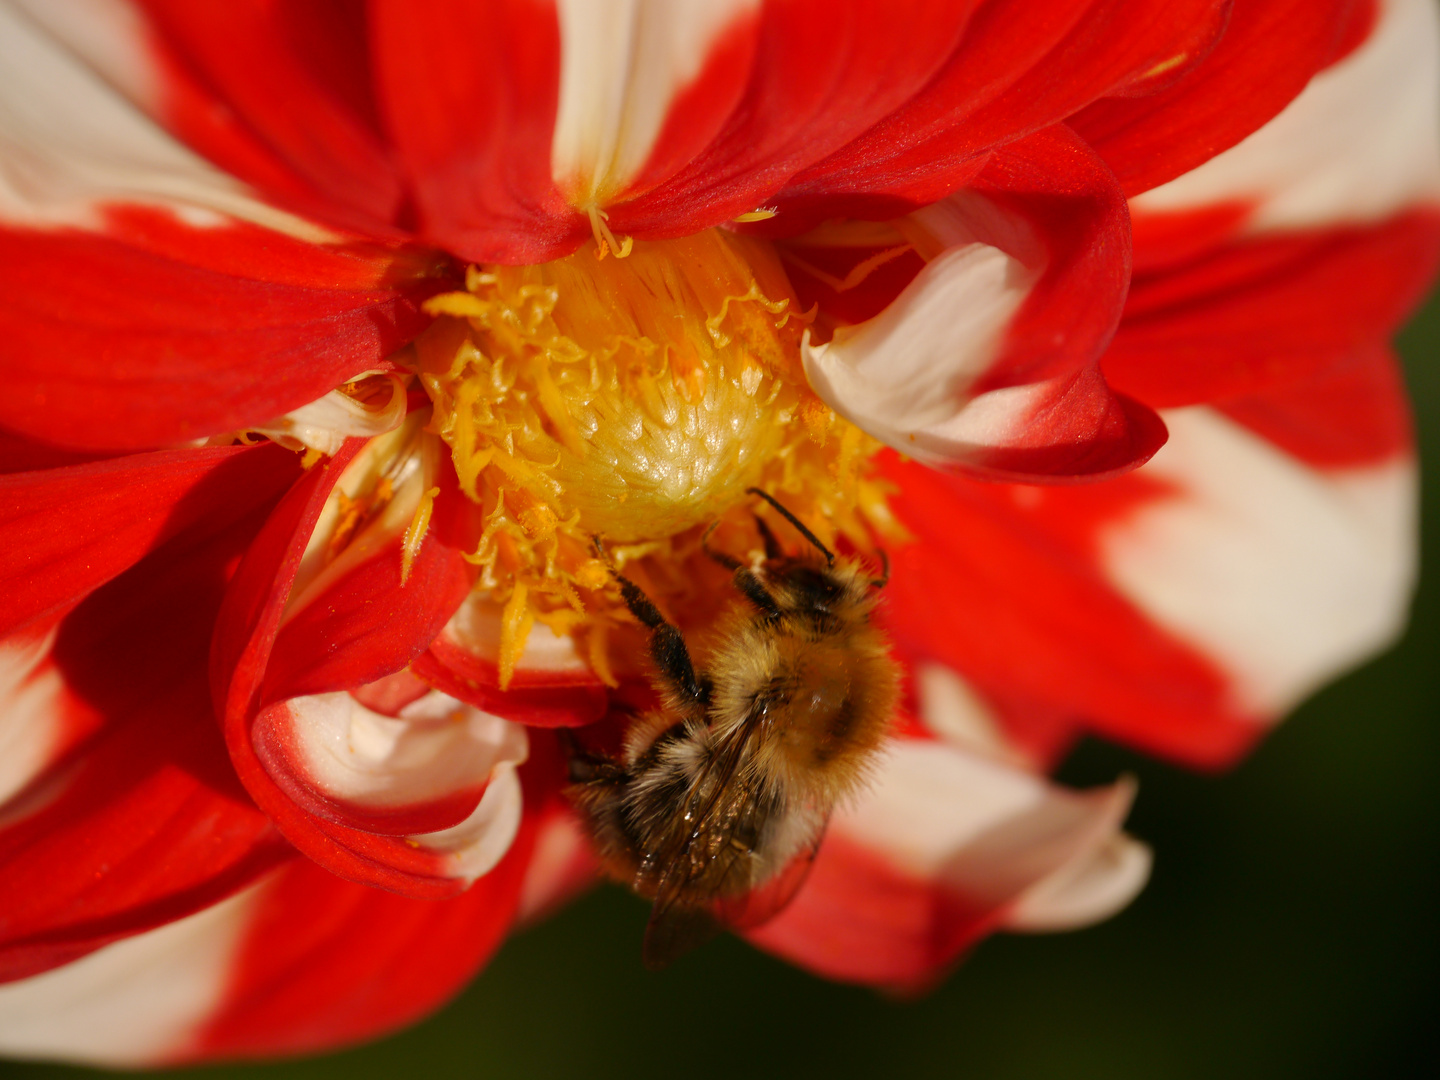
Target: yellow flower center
635 400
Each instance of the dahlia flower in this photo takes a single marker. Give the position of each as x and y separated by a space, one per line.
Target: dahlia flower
333 334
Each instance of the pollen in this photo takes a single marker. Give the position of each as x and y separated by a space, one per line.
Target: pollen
632 399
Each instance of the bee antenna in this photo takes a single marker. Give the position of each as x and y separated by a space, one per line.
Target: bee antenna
788 516
884 578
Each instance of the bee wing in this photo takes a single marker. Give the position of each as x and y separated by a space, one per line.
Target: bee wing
761 904
682 918
673 930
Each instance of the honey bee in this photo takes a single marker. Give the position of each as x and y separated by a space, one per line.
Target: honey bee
719 799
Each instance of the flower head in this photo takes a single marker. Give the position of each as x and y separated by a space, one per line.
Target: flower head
364 364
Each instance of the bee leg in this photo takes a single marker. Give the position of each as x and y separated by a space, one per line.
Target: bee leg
667 647
884 578
754 589
584 766
773 550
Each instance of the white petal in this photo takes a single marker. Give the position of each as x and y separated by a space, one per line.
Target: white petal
473 847
133 1003
1282 573
436 747
952 709
987 831
1359 144
475 627
326 423
1093 887
404 457
70 142
905 375
560 865
32 719
622 63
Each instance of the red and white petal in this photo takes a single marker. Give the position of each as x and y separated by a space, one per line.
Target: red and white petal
301 962
1266 313
475 147
1177 608
1281 573
40 718
822 74
1268 53
143 821
70 142
139 281
943 848
134 1002
986 361
381 800
422 770
550 685
644 85
1360 144
325 424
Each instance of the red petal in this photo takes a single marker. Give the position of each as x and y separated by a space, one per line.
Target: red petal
326 962
1265 312
822 75
1354 414
1270 50
932 858
157 331
1020 68
149 823
469 92
1030 619
270 89
462 675
66 531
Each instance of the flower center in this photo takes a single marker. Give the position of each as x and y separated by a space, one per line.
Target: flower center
634 400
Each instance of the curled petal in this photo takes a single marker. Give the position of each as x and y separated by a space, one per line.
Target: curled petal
986 362
422 770
326 423
941 850
294 631
550 686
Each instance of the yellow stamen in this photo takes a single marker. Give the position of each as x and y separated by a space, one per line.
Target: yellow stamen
415 534
635 401
516 622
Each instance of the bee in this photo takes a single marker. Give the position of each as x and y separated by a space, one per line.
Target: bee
718 801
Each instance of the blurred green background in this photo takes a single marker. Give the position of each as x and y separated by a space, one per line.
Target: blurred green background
1290 930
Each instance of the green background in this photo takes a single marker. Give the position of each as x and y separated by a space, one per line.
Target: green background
1289 930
